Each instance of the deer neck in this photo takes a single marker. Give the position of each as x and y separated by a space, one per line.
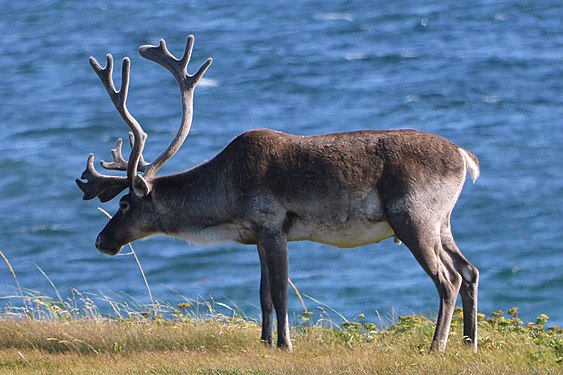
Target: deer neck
190 201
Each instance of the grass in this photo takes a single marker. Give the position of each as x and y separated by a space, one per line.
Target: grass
87 333
230 345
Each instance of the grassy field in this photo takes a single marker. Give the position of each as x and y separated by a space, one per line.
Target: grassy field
97 334
52 336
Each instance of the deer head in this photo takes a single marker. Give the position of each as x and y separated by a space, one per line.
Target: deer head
137 204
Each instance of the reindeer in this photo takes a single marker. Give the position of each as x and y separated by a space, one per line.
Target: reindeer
268 188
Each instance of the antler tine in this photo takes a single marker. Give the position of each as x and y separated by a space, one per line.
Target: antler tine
202 69
186 59
119 163
98 185
119 99
187 84
187 53
162 56
178 68
105 74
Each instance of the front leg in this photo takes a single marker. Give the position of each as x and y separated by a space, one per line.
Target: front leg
273 245
266 300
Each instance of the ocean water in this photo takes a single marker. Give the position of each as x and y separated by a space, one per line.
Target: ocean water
487 75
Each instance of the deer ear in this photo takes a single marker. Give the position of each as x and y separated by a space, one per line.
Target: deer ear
141 187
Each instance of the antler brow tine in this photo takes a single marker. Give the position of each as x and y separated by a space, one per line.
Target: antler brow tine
98 185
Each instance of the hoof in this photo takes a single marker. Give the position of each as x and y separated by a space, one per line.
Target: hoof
467 341
286 346
269 343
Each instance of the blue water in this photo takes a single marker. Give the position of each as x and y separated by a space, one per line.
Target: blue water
488 75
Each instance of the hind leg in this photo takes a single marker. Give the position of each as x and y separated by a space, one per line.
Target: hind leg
469 285
422 237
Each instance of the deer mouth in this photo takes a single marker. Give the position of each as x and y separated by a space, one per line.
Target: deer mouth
107 248
111 252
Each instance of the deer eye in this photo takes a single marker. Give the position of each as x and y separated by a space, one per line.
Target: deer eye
124 205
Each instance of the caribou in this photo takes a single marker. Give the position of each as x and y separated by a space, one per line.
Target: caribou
268 188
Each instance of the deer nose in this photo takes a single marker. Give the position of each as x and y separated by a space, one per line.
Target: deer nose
105 246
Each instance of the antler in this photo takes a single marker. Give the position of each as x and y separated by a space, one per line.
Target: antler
103 186
187 83
98 185
107 187
119 99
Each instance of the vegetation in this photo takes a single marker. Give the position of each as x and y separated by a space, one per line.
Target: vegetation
41 334
49 336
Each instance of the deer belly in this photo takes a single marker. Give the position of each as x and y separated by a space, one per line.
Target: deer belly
344 235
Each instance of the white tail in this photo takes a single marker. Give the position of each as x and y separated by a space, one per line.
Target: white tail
471 164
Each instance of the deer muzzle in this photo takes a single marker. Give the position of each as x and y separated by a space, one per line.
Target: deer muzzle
107 247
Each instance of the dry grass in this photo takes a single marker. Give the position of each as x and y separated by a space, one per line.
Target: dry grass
225 345
42 335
